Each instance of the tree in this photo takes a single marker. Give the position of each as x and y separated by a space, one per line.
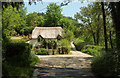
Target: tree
105 34
68 35
53 14
40 21
13 4
13 20
31 18
91 20
115 11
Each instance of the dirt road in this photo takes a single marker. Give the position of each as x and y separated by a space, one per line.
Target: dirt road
76 65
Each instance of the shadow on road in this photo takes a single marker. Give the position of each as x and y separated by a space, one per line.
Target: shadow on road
52 72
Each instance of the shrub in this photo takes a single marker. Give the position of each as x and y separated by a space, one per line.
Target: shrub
19 59
65 44
19 50
79 44
33 59
41 51
104 65
36 51
92 49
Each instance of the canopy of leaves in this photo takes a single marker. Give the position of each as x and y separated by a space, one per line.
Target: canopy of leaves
53 14
13 20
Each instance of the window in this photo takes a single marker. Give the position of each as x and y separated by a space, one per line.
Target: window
39 38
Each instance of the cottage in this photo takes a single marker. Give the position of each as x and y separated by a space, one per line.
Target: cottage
45 33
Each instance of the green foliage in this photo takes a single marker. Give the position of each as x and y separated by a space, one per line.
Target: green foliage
13 20
66 23
40 21
92 22
53 14
5 41
10 70
50 43
19 50
79 44
31 18
18 59
27 30
65 44
104 65
13 69
41 51
33 59
13 66
68 35
70 24
92 49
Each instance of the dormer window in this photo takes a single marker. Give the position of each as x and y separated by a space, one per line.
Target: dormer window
39 38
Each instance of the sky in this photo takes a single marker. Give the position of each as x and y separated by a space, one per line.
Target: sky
68 10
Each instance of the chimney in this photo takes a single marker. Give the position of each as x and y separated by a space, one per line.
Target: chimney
34 24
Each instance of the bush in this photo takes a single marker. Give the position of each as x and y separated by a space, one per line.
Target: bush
92 49
79 44
16 46
41 51
19 59
33 59
104 65
65 44
19 50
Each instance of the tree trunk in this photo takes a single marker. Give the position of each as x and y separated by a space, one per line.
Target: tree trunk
93 33
98 31
98 37
104 23
53 51
111 40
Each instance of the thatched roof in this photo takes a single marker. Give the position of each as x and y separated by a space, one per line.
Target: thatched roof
47 32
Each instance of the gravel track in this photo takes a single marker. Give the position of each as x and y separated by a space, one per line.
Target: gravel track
77 65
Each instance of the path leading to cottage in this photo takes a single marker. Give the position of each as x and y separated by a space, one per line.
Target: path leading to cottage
76 65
